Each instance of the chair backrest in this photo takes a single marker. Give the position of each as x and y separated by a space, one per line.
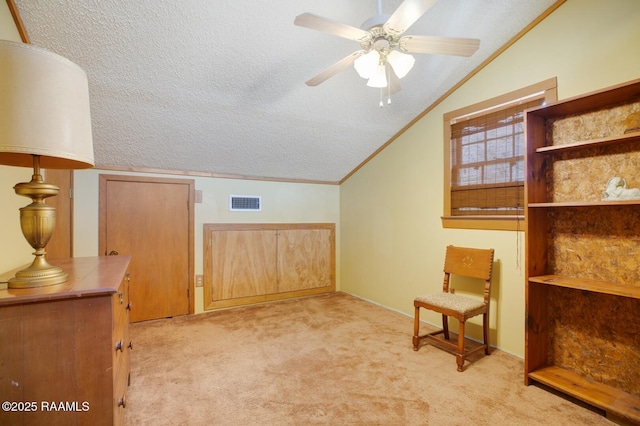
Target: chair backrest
469 262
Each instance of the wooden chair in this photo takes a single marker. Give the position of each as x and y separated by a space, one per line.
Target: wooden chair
469 262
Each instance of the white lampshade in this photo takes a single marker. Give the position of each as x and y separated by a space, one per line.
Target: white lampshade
401 62
379 78
44 109
366 65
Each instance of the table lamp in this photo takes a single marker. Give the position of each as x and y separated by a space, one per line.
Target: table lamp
45 122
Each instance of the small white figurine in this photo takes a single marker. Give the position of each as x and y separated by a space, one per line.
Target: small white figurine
617 190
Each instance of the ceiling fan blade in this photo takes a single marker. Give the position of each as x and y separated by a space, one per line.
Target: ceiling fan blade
315 22
439 45
335 68
406 14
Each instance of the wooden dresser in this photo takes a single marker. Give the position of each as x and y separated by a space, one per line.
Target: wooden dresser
64 349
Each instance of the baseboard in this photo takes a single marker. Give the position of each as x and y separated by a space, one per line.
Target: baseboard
425 322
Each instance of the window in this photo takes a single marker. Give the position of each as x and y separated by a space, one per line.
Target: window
484 159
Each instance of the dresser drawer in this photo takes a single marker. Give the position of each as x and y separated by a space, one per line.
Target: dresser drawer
121 346
120 342
121 304
120 396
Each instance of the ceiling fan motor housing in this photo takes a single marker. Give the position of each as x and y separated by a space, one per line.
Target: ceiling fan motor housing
378 38
375 21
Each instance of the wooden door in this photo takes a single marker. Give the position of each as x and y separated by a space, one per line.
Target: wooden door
60 245
151 219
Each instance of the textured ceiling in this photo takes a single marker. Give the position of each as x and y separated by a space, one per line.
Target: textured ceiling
218 86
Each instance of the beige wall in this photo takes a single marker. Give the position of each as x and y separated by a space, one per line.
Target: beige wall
14 249
8 29
281 203
393 242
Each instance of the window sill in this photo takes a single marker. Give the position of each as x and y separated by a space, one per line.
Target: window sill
497 223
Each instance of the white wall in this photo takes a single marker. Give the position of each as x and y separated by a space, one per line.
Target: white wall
281 203
393 242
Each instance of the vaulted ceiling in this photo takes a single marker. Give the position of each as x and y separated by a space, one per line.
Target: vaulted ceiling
218 87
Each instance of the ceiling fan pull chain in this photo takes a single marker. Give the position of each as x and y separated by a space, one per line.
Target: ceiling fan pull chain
381 103
389 85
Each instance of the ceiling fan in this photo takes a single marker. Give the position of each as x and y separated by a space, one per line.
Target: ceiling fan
383 58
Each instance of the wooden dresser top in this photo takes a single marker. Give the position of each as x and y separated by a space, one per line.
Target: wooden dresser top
88 277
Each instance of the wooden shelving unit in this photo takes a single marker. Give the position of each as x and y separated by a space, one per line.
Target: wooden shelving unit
582 280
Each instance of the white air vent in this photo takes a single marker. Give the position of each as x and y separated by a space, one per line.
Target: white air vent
245 203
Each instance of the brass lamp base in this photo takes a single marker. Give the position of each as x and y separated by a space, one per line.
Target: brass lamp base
37 221
39 274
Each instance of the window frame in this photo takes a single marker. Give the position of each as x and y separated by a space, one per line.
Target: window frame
546 90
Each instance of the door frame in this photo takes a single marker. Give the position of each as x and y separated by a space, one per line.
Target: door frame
102 218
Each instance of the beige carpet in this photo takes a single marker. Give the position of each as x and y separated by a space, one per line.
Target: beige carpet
327 360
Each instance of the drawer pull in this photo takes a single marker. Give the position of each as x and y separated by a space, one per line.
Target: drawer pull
122 402
130 345
121 294
119 346
129 306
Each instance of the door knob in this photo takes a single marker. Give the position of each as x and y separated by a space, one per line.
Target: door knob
113 253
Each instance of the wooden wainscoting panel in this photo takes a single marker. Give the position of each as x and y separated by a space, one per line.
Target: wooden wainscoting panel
243 263
305 259
254 263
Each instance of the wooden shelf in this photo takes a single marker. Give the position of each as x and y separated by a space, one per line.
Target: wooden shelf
603 287
585 204
606 397
624 92
630 137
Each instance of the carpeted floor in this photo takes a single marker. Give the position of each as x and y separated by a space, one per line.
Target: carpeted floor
327 360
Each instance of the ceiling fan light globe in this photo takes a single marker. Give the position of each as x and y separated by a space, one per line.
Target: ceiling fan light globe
366 65
401 62
379 78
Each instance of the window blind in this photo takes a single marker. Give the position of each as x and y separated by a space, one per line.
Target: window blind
487 162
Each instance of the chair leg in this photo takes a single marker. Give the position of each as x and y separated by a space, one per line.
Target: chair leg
460 354
485 330
445 326
416 329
